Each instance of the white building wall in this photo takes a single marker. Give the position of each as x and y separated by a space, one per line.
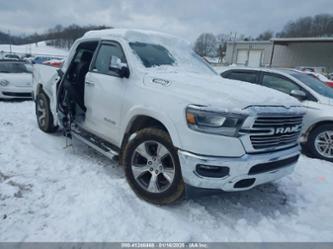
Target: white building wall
234 48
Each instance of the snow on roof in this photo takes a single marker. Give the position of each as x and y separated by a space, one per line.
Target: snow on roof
249 42
140 35
302 40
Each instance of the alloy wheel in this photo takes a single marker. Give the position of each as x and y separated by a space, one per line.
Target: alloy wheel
41 111
153 166
324 144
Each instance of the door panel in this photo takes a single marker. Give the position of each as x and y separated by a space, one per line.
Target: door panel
241 57
104 93
104 97
254 58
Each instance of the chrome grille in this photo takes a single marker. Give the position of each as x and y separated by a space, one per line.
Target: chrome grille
262 122
275 132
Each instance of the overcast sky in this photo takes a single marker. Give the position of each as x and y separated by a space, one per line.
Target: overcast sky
185 18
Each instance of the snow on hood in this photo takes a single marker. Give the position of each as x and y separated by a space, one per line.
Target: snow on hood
17 79
217 92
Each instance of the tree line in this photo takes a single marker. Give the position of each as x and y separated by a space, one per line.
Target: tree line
207 44
211 45
57 36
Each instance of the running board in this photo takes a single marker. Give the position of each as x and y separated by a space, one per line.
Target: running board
98 144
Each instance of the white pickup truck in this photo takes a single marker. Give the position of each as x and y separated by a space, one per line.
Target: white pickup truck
146 99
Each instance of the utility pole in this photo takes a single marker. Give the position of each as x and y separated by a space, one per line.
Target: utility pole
10 42
233 48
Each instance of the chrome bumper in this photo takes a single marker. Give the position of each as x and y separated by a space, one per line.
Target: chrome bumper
239 169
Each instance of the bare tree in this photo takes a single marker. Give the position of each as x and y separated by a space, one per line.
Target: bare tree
319 25
206 45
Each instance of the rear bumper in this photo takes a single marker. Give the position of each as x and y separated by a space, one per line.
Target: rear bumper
243 173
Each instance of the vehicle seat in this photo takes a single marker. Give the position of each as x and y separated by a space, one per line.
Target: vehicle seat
79 82
83 67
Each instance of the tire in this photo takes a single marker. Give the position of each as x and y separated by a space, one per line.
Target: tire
44 114
320 139
151 168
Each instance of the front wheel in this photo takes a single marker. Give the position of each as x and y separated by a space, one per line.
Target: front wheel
152 167
44 114
320 142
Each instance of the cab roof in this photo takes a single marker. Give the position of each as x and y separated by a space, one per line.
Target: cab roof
126 34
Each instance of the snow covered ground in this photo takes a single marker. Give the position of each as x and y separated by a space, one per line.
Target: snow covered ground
39 48
52 193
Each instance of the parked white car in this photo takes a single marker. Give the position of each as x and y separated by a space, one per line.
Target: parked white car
11 57
315 95
15 80
147 99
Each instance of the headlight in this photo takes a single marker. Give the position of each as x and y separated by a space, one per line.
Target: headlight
208 121
4 82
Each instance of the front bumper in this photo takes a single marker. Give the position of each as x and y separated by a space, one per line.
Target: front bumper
15 92
244 173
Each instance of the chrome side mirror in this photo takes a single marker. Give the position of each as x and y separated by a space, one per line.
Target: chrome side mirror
299 94
115 63
119 67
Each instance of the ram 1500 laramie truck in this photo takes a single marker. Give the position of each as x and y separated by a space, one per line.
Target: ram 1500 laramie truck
146 99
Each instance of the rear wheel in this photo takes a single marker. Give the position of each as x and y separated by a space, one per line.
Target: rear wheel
44 114
320 142
152 167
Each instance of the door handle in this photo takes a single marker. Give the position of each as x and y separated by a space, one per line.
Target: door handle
89 83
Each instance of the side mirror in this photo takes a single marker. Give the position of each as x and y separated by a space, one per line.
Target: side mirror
299 94
117 66
115 63
124 72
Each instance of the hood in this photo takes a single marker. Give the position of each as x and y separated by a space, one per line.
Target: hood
215 91
322 102
17 79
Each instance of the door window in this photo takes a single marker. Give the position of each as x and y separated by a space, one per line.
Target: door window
106 53
279 83
243 76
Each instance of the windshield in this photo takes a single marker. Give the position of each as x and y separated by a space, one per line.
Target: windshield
13 67
152 55
315 84
170 59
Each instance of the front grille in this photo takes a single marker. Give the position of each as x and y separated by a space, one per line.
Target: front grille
274 132
267 122
13 94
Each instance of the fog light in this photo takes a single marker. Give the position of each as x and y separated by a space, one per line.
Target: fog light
212 171
245 183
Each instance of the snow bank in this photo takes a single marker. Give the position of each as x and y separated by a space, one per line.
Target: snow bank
52 193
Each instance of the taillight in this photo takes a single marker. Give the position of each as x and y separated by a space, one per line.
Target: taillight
329 83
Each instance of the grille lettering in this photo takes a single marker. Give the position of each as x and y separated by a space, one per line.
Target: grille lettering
289 129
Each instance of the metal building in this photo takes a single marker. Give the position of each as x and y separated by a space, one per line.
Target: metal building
248 53
282 52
